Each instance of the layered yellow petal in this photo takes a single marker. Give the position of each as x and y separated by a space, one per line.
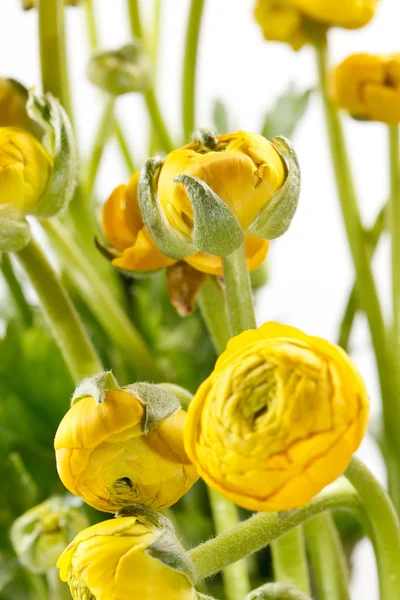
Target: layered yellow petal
256 250
277 420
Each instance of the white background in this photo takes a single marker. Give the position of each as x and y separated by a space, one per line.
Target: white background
311 271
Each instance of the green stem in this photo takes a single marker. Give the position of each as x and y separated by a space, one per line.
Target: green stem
64 322
164 138
294 571
15 289
394 203
52 51
57 588
123 145
134 19
328 562
384 524
225 515
211 303
260 530
103 304
103 134
91 23
365 280
238 294
190 67
373 236
37 585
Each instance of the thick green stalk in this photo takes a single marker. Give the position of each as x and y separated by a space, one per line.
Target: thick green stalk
15 289
394 222
211 303
384 524
190 68
225 515
238 294
63 319
372 236
263 528
52 51
108 312
365 280
295 571
328 562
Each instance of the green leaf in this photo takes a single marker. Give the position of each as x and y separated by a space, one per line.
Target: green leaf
286 114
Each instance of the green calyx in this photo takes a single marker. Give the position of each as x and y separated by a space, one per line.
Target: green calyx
15 233
159 403
277 591
121 71
49 113
96 387
179 392
206 137
274 219
216 230
169 242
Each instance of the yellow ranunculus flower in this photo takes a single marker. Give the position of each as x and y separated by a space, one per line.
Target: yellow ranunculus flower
244 169
368 87
278 419
25 170
122 558
105 455
12 106
295 21
124 229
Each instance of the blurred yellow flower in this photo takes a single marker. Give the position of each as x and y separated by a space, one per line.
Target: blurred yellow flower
12 106
294 21
123 558
124 229
278 419
105 454
25 170
368 87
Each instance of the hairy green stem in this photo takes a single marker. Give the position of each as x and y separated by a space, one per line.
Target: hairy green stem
15 289
225 515
384 525
373 236
63 319
294 571
108 312
238 293
328 562
190 68
211 303
263 528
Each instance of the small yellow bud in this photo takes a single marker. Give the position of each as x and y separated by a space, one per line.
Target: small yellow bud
124 229
40 534
12 106
108 454
368 87
277 420
124 558
281 22
25 170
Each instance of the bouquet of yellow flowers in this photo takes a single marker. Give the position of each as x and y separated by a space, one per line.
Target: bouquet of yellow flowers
135 379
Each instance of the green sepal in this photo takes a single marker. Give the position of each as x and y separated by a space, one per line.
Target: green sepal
15 233
121 71
206 137
274 219
276 591
49 113
96 387
168 550
184 396
158 402
216 230
169 242
151 518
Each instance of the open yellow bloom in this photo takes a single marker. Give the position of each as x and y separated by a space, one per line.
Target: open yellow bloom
294 21
124 229
106 455
277 420
120 559
25 170
368 87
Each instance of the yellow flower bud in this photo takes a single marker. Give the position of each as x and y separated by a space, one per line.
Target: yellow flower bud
368 87
40 535
25 170
12 106
244 169
124 229
108 454
278 419
124 558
